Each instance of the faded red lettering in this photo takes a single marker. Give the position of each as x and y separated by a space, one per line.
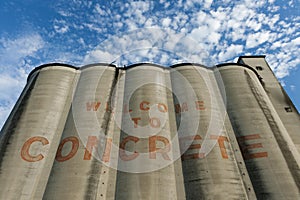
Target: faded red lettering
221 140
153 149
200 105
144 105
92 106
25 149
162 107
135 121
75 144
245 147
122 150
181 108
154 122
93 143
186 156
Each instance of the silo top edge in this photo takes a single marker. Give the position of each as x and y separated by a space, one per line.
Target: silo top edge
50 65
192 64
166 67
142 64
98 64
238 65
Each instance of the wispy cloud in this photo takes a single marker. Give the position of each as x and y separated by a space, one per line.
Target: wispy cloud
223 33
13 51
15 57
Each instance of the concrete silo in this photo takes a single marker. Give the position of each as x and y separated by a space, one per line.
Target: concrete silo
31 135
76 174
152 132
210 162
261 134
147 168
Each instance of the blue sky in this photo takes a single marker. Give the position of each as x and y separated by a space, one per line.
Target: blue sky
76 32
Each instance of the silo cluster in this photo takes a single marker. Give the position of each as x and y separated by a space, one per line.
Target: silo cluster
152 132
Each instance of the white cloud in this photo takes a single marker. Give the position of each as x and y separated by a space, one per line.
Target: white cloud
136 45
60 26
100 10
230 52
238 34
15 56
207 4
220 32
293 87
4 112
60 29
10 89
296 41
97 56
242 12
166 22
255 39
15 49
291 3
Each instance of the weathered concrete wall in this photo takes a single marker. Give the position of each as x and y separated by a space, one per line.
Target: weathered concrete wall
75 174
31 136
149 132
150 101
215 172
258 131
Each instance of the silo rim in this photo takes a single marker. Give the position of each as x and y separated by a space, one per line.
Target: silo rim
144 63
50 65
98 64
192 64
165 67
239 65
